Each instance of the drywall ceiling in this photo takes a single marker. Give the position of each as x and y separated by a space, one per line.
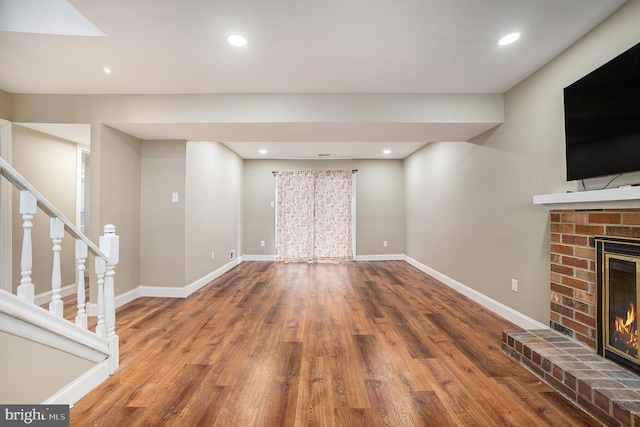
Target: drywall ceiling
329 46
78 133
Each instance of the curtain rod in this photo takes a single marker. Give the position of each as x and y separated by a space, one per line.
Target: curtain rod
276 172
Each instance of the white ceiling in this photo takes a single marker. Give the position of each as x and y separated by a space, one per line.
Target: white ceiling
79 133
294 46
309 140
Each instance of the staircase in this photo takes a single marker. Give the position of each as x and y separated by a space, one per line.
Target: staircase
45 357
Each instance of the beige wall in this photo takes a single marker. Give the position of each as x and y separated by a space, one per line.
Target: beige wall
176 239
213 206
32 373
162 222
380 203
469 204
226 114
48 163
119 194
5 105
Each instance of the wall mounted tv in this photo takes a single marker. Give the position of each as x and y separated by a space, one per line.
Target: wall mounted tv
602 119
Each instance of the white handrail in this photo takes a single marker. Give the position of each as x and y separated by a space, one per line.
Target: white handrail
106 257
18 181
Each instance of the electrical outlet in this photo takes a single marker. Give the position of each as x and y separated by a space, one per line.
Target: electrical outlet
213 255
232 254
174 197
384 243
514 285
261 242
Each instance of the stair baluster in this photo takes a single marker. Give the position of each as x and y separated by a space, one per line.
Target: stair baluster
101 268
28 207
56 306
81 258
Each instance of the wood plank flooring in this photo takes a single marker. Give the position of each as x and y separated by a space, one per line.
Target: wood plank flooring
349 344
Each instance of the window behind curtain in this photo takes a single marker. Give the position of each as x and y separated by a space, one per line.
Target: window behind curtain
314 216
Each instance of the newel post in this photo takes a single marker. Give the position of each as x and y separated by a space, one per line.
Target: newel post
110 245
28 207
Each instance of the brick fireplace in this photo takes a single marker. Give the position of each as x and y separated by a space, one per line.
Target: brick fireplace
566 356
573 265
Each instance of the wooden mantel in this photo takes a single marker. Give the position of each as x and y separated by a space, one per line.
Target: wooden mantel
625 197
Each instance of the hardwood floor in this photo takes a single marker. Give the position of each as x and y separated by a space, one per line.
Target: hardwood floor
350 344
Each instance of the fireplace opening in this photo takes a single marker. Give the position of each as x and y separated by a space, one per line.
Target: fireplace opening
623 331
618 270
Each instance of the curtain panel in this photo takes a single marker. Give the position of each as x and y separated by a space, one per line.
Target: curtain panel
314 216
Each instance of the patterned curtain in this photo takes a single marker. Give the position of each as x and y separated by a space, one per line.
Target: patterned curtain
294 234
314 216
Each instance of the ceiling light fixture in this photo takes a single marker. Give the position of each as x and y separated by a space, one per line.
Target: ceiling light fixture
107 70
508 39
263 151
386 152
237 40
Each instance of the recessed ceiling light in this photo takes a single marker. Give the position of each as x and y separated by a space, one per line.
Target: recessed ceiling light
263 151
107 70
508 39
237 40
386 152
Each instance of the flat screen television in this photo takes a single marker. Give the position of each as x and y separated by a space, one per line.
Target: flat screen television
602 119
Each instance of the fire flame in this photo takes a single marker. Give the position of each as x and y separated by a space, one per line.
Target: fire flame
625 329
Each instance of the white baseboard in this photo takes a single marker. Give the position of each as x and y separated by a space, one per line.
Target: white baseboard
120 300
200 283
382 257
166 291
45 297
127 297
169 291
508 313
163 291
81 386
259 258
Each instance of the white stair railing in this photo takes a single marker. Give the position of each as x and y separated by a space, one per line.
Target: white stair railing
106 258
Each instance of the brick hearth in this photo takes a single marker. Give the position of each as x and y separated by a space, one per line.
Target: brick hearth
605 390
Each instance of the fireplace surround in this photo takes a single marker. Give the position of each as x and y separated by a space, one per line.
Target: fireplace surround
577 220
574 278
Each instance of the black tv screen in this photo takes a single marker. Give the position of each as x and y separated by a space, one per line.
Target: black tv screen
602 119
